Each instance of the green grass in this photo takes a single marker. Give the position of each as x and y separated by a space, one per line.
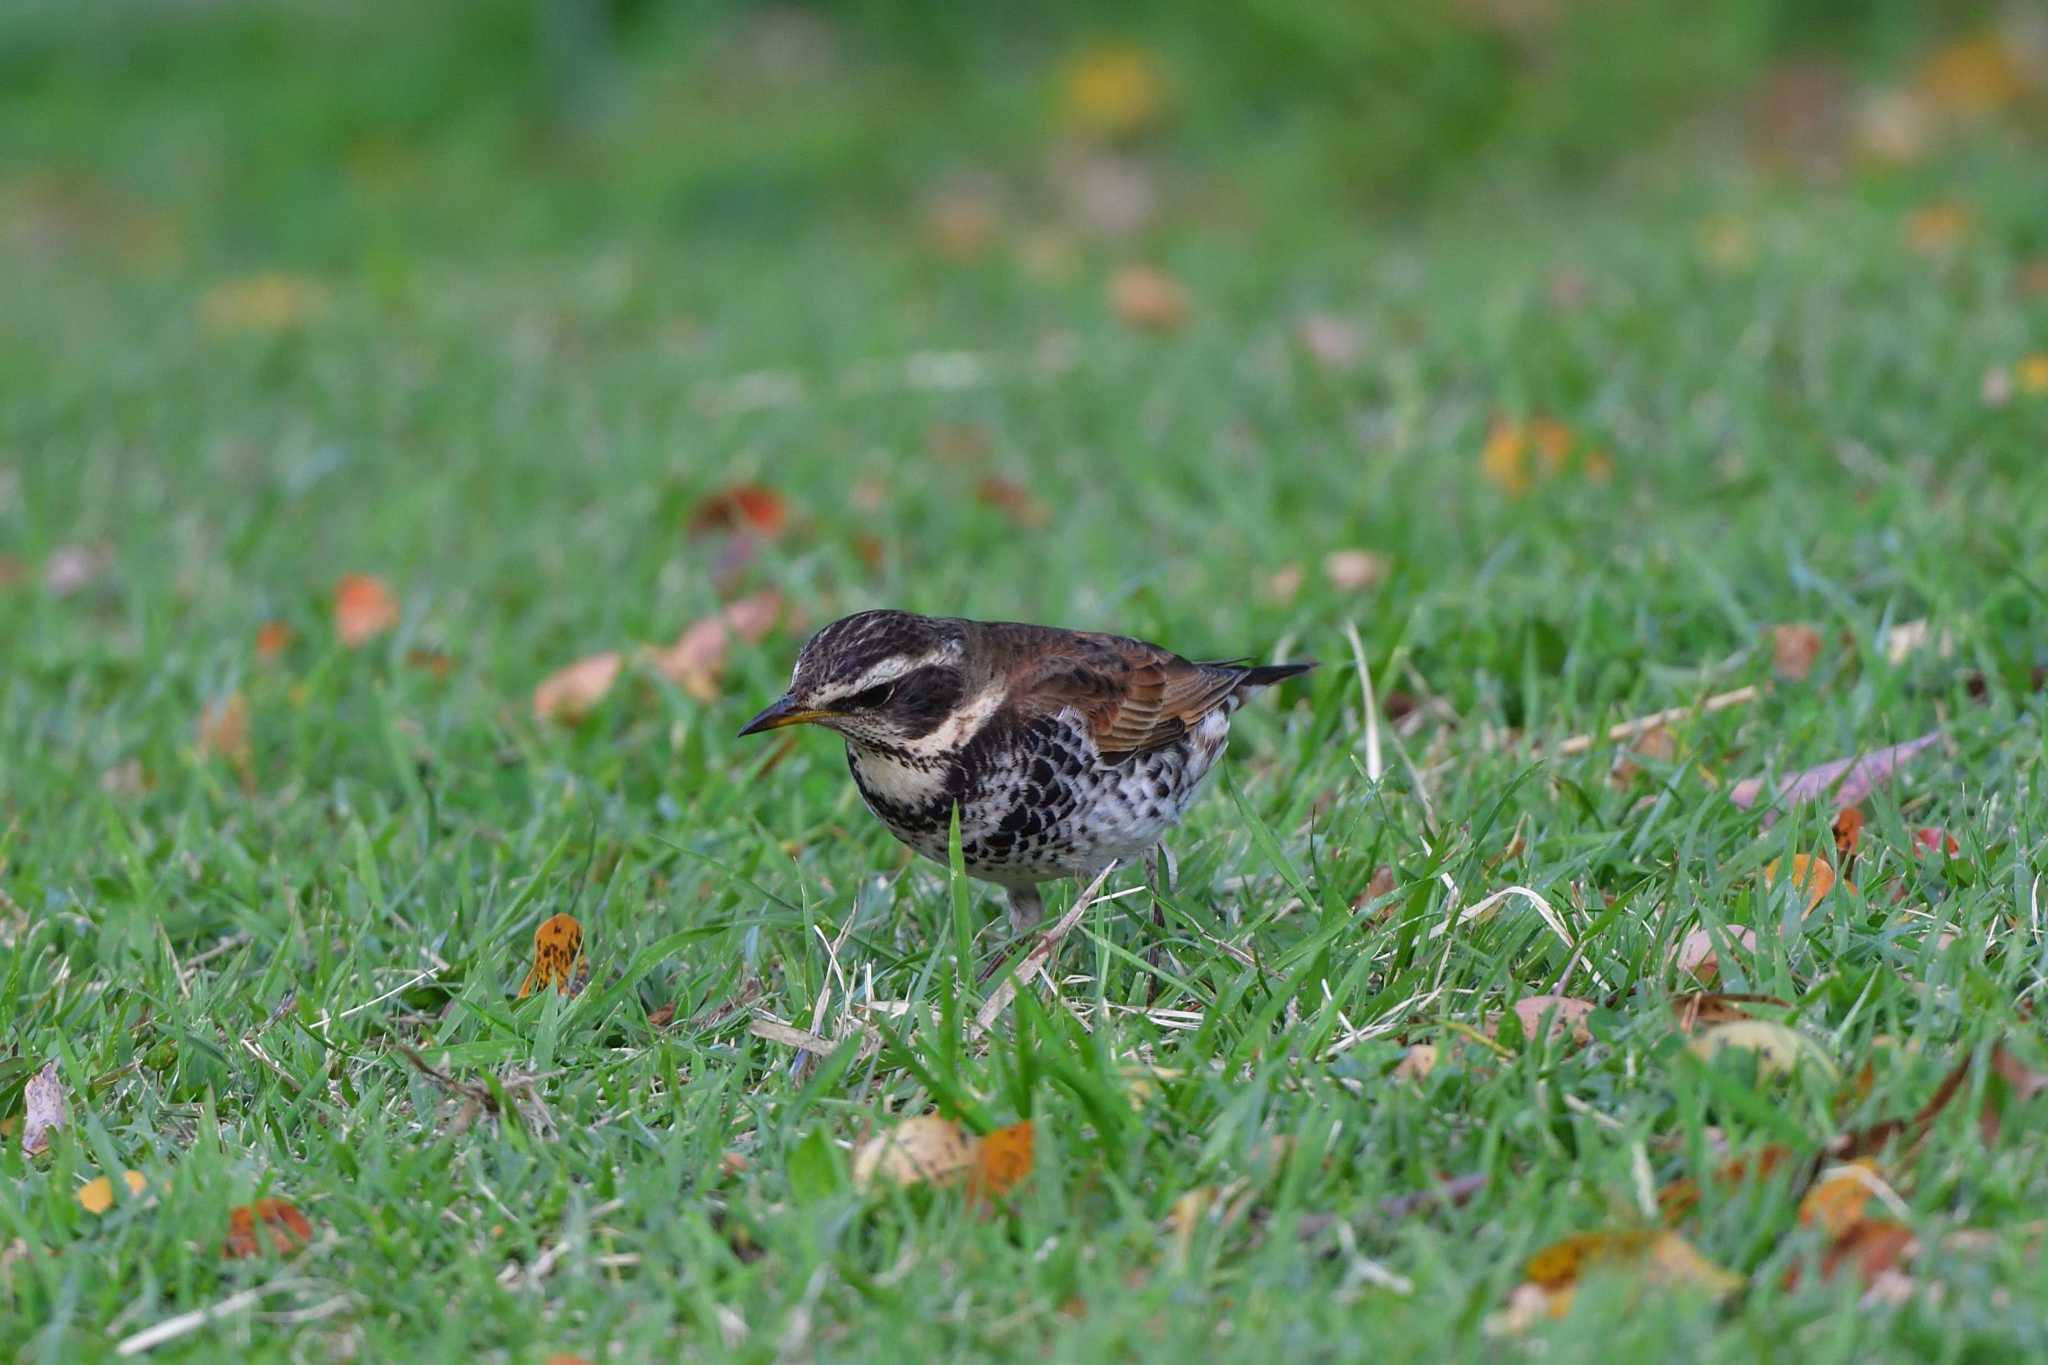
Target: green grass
525 379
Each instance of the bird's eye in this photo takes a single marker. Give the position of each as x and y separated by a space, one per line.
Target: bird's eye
871 699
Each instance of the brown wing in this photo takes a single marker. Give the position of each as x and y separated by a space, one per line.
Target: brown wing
1136 696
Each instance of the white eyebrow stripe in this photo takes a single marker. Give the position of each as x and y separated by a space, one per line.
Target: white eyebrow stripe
882 671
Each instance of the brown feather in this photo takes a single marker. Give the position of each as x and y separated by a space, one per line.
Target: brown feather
1136 696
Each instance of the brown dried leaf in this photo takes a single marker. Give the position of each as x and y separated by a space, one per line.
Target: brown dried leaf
1836 1201
1015 501
1848 831
1658 1255
1416 1063
568 694
1794 651
1811 875
1694 1010
1871 1247
272 639
1567 1015
43 1110
224 729
287 1227
1149 299
1002 1160
742 507
364 608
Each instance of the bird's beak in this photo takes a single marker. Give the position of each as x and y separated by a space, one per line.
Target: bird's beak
782 711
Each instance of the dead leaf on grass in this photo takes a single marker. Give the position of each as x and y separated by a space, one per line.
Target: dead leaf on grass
97 1195
1813 877
927 1149
558 959
1355 570
287 1227
43 1110
1795 649
1567 1015
1149 299
1778 1048
1850 781
1697 955
1658 1256
742 507
1114 90
224 729
273 638
1836 1201
364 608
1023 507
696 661
568 694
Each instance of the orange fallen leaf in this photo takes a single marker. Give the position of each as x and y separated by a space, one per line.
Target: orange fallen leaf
1870 1247
97 1195
1974 76
960 224
1812 875
557 957
568 694
272 639
430 661
1023 507
1837 1200
43 1110
742 507
1682 1196
288 1228
1001 1160
1848 830
1552 1276
364 608
1794 651
224 729
1149 299
1504 459
1929 839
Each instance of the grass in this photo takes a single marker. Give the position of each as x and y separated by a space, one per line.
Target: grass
508 406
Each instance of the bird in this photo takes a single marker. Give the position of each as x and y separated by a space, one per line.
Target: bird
1064 750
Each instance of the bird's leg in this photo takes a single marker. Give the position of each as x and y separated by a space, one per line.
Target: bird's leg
1027 908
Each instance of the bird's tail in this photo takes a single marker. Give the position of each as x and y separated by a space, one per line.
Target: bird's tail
1264 674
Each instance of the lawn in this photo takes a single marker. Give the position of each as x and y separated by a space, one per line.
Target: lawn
1584 378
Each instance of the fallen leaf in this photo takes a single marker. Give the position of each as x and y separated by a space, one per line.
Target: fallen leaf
1113 90
2022 1083
97 1195
960 223
1929 839
1836 1201
1416 1063
1794 651
557 957
1907 638
272 639
43 1110
923 1150
1149 299
269 301
1659 1256
1567 1015
1335 343
696 661
568 694
2032 374
224 729
1015 501
1284 584
1504 459
1848 830
1779 1050
1974 76
363 609
1679 1198
1697 956
1814 876
742 507
71 568
430 661
1354 570
1694 1010
288 1228
1850 780
1001 1160
1939 228
1871 1247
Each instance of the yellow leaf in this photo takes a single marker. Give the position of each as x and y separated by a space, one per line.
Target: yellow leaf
557 957
2032 373
1504 459
923 1150
1552 1276
1114 90
266 302
97 1195
1778 1049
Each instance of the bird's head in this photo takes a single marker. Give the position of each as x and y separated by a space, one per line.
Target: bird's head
881 678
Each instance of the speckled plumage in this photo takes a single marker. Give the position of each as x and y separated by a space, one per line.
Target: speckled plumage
1064 750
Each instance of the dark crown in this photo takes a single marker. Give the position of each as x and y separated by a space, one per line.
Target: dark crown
853 644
